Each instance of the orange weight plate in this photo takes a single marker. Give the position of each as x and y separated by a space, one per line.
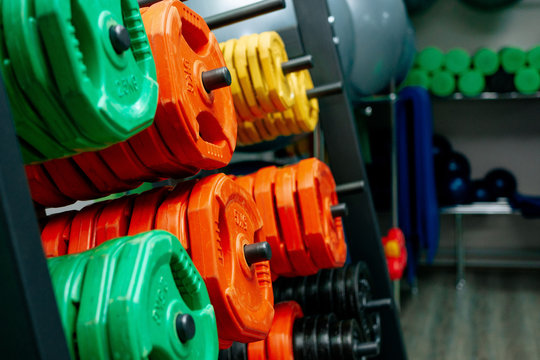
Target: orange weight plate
70 180
279 343
113 222
265 199
154 154
290 221
83 229
257 350
172 214
125 164
55 234
100 175
247 182
144 211
198 127
322 232
42 189
222 220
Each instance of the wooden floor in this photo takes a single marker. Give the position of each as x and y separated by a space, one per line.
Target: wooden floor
496 316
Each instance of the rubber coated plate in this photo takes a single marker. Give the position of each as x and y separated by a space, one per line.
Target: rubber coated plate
255 73
100 175
261 129
279 343
271 126
272 54
265 199
154 283
222 219
281 123
117 93
92 332
290 221
70 180
145 209
113 222
241 66
31 70
55 234
198 127
82 235
240 104
306 111
42 189
172 213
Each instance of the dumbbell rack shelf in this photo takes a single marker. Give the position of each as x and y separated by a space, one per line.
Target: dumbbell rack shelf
338 125
489 96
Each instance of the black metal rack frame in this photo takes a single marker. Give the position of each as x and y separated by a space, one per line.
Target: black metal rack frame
30 320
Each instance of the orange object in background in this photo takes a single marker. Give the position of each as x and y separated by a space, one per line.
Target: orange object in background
279 342
223 219
296 202
395 252
193 129
199 127
217 220
55 234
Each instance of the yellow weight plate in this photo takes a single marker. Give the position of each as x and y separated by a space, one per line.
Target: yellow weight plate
240 104
271 54
241 65
251 132
292 123
271 126
260 124
281 124
257 79
306 111
242 138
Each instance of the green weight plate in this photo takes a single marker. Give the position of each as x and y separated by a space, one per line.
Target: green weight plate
471 83
116 91
67 275
418 77
533 57
92 336
430 59
457 61
527 80
486 61
512 59
443 83
28 124
31 71
155 282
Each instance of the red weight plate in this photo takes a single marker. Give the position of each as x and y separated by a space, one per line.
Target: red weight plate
42 189
247 182
123 162
199 127
257 350
265 199
101 175
279 343
83 229
145 209
154 154
290 221
113 222
70 180
55 234
323 233
222 219
172 214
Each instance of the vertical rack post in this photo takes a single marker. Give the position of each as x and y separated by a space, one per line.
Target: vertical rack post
30 323
340 134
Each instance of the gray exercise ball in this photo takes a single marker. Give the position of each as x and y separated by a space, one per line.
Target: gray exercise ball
408 53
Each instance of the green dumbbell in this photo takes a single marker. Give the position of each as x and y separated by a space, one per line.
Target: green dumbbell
512 59
471 83
527 80
103 65
430 59
67 275
443 83
418 77
457 61
486 61
159 303
533 57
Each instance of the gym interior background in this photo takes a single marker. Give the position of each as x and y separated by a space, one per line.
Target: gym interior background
270 179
